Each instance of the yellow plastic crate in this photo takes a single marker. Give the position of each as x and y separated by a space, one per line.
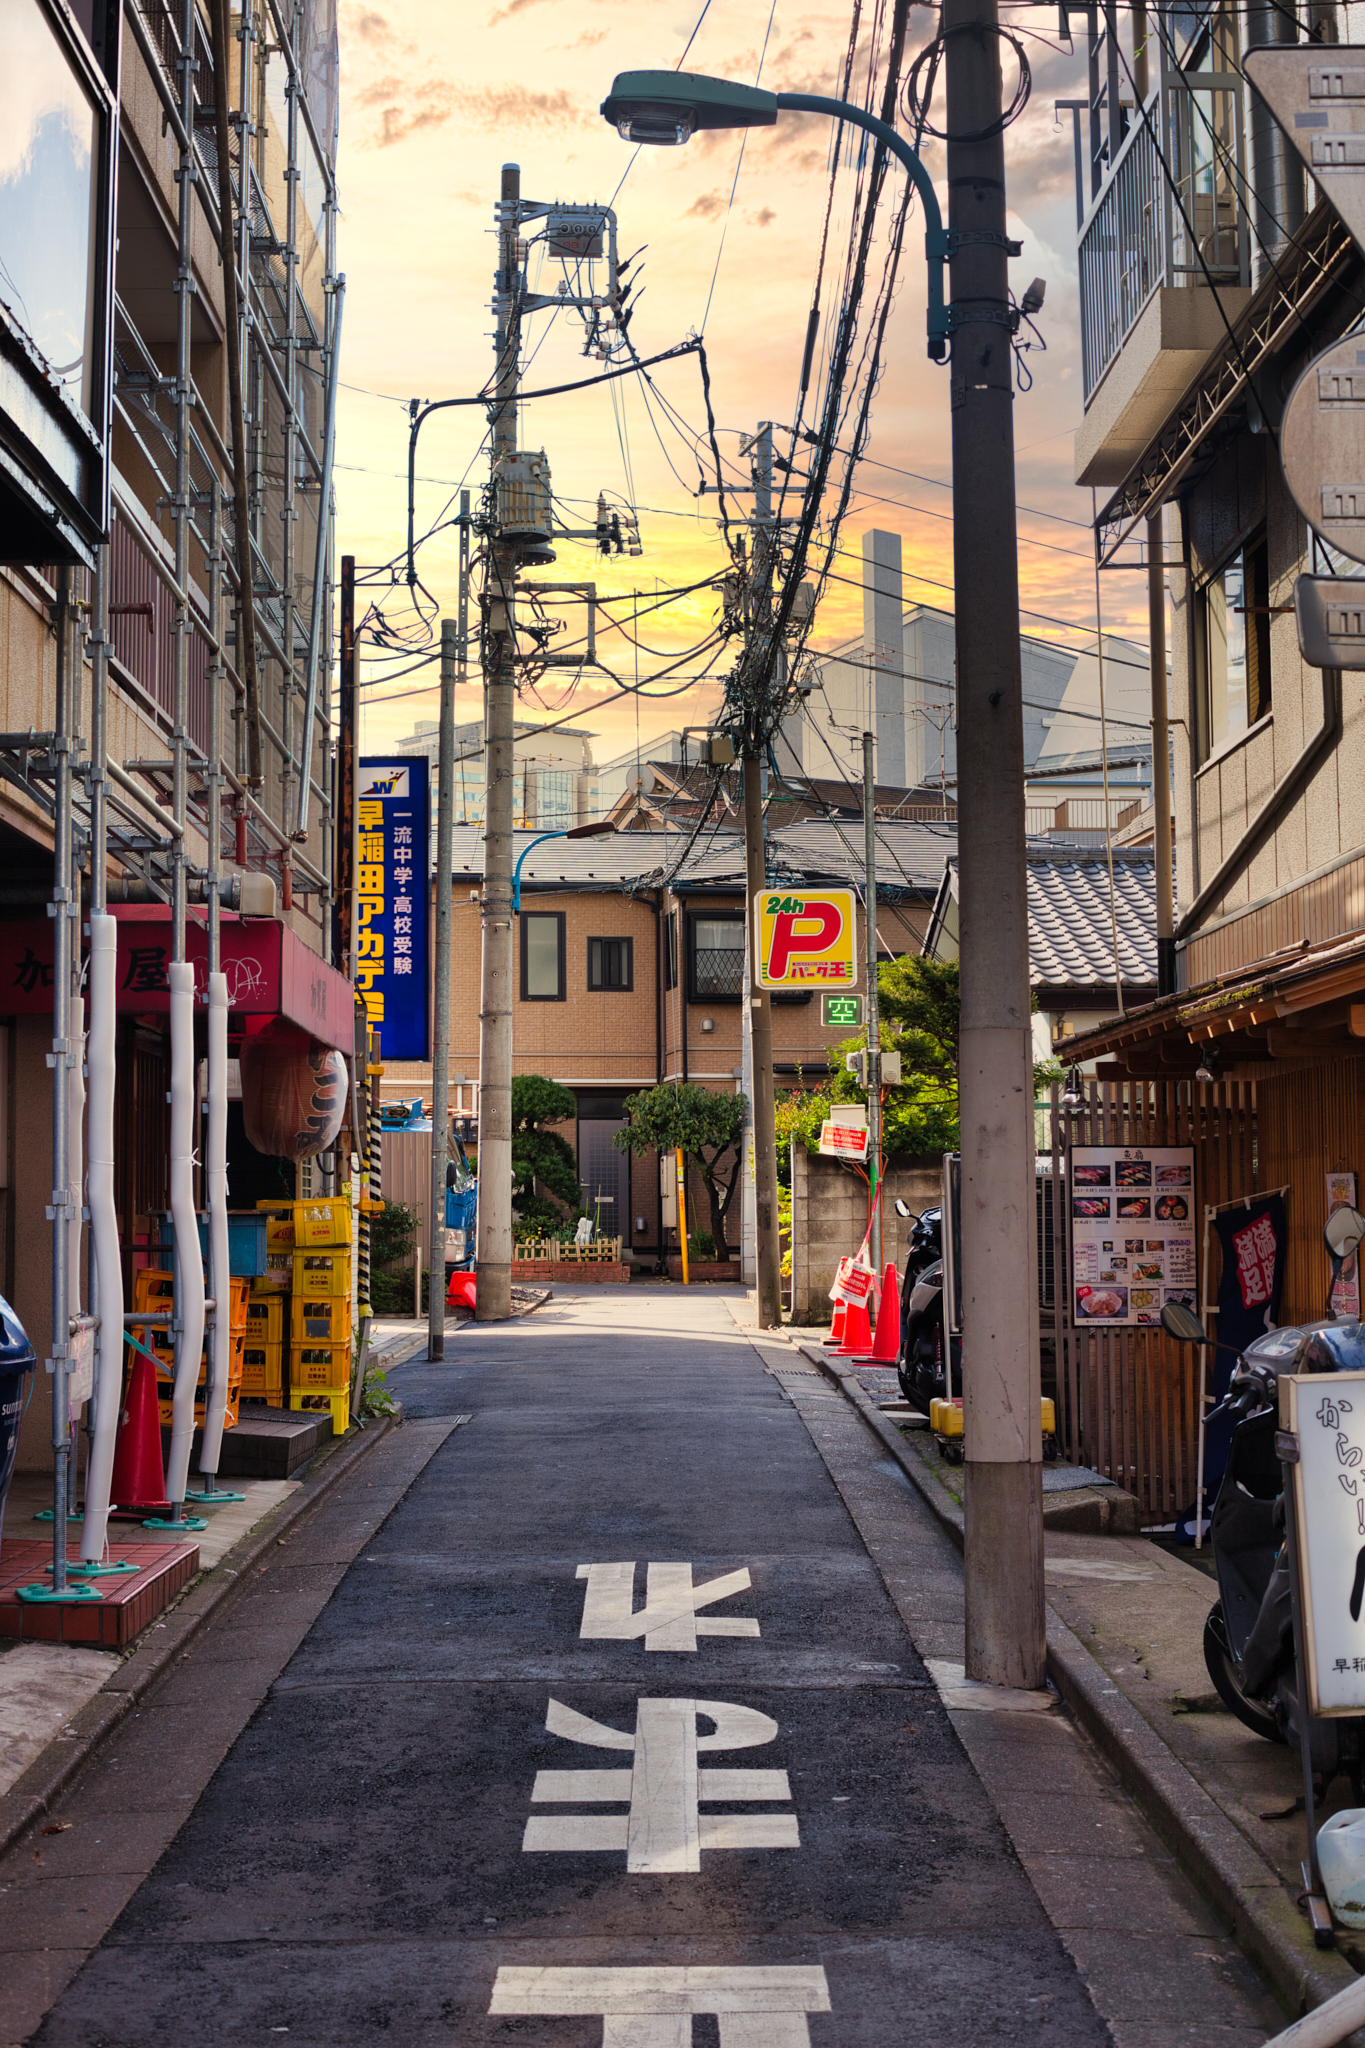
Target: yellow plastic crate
265 1319
152 1288
325 1272
279 1226
230 1414
263 1369
277 1278
326 1221
322 1367
339 1401
322 1319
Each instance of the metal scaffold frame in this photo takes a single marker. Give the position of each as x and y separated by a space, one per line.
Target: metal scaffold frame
200 617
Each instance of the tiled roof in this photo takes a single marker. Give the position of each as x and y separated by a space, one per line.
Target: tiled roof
1071 939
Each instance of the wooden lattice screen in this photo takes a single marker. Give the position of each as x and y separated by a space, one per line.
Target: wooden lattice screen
1127 1398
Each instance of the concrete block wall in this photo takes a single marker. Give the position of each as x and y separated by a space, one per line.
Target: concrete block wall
829 1219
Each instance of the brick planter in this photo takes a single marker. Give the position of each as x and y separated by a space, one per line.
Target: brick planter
571 1272
705 1269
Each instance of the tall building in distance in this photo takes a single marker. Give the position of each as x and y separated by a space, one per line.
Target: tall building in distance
556 781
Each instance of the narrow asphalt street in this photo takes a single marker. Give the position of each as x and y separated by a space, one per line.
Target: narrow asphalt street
612 1731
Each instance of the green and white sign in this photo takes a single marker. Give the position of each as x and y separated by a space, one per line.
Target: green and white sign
841 1013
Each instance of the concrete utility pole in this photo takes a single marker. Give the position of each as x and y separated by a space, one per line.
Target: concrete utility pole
1002 1430
874 1038
440 1038
494 1293
768 1257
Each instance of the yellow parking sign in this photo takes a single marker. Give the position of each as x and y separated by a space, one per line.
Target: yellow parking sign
806 938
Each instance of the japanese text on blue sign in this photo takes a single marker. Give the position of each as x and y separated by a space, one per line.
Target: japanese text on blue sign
392 903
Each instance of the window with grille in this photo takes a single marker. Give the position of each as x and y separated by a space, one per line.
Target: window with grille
716 966
611 963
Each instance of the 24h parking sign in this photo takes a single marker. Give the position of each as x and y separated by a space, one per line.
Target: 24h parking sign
806 938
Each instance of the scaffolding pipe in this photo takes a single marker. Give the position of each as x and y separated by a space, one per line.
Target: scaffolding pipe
62 963
215 1142
310 704
106 1290
189 1262
75 1180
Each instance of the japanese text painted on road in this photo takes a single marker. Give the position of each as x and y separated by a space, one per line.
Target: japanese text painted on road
393 903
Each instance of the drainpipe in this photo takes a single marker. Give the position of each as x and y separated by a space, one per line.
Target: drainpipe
1277 210
215 1137
682 980
1273 809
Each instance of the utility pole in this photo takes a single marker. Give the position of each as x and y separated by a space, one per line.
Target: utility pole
874 1040
451 650
493 1298
768 1260
1002 1424
343 863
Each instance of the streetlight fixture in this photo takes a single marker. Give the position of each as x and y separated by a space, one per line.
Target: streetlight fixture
574 832
1005 1635
1207 1070
665 108
1073 1094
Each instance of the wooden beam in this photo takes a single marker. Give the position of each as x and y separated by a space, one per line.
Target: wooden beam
1358 1020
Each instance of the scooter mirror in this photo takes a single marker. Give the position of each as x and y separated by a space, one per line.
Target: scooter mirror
903 1208
1345 1229
1182 1324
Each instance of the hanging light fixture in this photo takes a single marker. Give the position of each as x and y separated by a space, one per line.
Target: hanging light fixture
1207 1070
1073 1094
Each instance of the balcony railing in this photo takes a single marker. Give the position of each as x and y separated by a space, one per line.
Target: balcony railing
1170 211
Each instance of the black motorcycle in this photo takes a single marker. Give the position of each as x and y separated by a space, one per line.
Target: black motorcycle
927 1353
1249 1634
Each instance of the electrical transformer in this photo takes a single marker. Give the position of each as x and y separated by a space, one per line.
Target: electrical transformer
523 497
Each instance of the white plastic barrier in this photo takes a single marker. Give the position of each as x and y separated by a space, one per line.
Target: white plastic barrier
189 1263
104 1242
220 1353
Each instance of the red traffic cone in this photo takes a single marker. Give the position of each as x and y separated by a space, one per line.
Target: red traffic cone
887 1343
836 1335
139 1478
857 1332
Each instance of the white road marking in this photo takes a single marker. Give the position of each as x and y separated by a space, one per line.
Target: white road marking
652 2006
669 1619
663 1830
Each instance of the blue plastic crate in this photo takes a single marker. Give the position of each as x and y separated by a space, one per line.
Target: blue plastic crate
246 1241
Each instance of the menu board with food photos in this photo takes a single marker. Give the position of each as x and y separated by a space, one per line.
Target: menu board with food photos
1132 1232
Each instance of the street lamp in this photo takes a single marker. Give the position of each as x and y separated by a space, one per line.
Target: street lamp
665 108
574 832
1005 1637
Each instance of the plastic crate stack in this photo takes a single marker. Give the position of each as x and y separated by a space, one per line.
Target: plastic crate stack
154 1291
320 1351
263 1377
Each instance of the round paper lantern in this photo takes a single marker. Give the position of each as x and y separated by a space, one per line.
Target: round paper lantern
293 1092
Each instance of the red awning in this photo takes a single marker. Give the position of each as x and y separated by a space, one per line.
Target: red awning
270 972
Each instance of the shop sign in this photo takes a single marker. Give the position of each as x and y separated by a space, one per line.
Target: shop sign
806 938
1132 1232
841 1013
393 903
1327 1417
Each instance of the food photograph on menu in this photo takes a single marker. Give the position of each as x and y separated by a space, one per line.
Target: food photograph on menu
1128 1279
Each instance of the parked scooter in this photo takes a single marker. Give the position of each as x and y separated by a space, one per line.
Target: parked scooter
926 1351
1249 1634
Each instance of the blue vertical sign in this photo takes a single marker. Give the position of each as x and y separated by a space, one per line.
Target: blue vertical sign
393 903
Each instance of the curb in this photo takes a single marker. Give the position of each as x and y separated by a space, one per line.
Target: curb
1214 1853
48 1776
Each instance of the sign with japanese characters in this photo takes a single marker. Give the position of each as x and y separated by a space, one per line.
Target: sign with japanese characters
1132 1232
806 938
393 903
841 1013
843 1141
1326 1412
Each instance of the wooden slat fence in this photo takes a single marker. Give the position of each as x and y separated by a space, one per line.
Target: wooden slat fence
1127 1398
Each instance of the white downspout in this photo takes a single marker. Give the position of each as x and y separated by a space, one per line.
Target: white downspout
220 1350
189 1263
104 1244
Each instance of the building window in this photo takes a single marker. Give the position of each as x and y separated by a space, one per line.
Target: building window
716 966
670 951
1233 646
542 956
611 963
554 799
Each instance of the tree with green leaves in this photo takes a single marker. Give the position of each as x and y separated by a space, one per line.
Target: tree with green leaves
706 1128
541 1158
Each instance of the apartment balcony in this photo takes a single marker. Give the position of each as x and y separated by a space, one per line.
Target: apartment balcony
1165 266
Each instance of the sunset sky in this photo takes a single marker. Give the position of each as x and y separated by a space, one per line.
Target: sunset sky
436 99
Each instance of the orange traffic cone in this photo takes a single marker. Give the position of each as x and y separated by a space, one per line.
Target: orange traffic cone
887 1344
857 1332
836 1335
138 1484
